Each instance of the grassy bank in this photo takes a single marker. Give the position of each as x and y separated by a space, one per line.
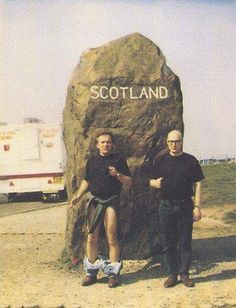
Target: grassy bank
219 186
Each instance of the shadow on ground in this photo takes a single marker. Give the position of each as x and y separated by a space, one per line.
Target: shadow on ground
207 254
215 249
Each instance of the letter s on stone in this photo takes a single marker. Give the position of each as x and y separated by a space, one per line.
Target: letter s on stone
94 90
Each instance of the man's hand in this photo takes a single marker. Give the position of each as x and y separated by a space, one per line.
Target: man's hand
197 214
157 183
83 188
125 180
74 201
112 171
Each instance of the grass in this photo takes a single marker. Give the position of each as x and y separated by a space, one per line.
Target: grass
219 186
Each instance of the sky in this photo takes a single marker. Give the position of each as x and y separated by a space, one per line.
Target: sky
41 42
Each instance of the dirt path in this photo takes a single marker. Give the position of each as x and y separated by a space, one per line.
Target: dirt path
31 274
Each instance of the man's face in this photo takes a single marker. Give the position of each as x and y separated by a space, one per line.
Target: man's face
104 145
174 142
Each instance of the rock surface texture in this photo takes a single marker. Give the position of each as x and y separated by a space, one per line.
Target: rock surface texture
124 87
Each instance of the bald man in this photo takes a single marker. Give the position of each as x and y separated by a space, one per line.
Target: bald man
178 176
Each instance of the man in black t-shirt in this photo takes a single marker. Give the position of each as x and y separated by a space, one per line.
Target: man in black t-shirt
105 174
178 175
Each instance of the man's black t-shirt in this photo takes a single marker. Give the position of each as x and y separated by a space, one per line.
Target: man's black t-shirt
179 174
101 184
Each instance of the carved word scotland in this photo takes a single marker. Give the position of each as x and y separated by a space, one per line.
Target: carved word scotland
114 93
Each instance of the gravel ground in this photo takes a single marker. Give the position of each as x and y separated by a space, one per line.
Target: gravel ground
32 275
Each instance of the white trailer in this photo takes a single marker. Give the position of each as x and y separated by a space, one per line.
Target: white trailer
32 160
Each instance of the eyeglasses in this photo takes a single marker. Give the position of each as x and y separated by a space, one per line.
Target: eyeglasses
174 141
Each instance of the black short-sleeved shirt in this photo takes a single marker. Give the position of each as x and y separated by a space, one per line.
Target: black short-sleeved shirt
101 184
179 174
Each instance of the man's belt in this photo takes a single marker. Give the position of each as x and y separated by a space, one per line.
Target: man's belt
178 201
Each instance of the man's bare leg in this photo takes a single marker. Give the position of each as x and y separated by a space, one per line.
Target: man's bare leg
113 270
92 240
110 223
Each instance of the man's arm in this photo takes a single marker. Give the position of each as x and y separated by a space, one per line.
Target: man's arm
82 190
125 180
197 215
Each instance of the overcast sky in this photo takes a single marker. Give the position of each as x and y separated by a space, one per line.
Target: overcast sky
41 42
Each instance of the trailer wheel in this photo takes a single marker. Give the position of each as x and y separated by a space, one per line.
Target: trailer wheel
63 195
56 197
47 198
44 198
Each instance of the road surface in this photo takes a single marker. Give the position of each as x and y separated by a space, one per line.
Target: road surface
22 207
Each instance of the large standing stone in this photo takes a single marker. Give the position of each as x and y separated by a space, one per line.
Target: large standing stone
125 87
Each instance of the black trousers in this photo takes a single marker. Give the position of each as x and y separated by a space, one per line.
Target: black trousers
176 225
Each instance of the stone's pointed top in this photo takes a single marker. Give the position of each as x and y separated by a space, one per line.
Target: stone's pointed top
135 34
134 39
132 36
124 39
133 57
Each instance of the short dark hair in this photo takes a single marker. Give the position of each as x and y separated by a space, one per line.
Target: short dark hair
105 133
